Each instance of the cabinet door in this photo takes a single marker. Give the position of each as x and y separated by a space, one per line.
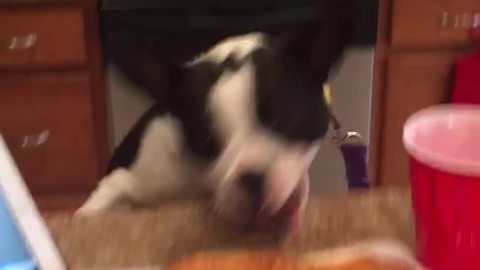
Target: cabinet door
414 81
46 119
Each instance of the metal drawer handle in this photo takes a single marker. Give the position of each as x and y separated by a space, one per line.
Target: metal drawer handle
459 21
35 140
19 42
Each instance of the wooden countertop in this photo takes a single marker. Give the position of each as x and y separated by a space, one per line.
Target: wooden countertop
151 237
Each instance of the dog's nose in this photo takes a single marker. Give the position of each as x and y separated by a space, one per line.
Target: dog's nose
253 183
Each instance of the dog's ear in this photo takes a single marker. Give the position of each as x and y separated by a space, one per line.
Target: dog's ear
320 44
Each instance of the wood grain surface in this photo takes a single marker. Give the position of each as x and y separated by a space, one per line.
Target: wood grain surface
153 237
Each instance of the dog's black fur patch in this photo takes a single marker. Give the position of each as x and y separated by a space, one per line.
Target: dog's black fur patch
289 101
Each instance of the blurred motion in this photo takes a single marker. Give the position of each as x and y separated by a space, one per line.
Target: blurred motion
148 131
245 119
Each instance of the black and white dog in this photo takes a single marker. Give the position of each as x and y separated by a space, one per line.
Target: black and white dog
243 122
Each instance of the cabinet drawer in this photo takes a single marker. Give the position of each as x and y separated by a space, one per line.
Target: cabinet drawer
41 37
414 81
46 120
418 23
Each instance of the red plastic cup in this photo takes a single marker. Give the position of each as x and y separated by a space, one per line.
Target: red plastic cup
444 147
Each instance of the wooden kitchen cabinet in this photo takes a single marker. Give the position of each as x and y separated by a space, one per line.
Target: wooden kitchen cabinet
414 81
417 46
52 98
47 122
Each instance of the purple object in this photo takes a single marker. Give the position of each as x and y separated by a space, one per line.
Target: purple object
355 157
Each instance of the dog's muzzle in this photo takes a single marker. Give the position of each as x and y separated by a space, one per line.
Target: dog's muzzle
264 216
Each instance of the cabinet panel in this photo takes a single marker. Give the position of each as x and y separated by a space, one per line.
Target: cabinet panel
414 81
432 23
36 37
47 122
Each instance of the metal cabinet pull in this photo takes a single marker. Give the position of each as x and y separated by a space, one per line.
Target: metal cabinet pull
450 20
35 140
18 42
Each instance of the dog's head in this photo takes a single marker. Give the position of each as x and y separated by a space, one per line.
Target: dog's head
258 110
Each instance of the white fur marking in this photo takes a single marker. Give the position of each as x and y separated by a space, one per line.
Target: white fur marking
111 191
238 47
231 103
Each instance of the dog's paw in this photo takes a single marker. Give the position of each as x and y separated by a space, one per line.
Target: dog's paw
86 210
91 209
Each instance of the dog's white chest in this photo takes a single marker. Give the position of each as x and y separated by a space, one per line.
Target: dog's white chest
162 167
